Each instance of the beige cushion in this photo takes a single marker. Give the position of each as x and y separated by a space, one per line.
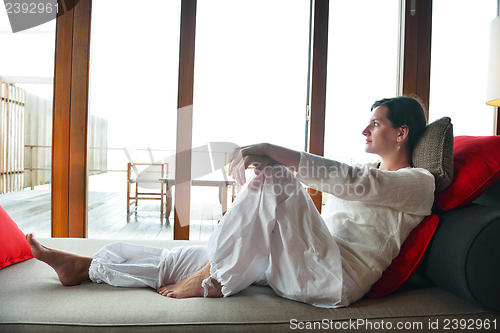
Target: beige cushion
434 152
33 300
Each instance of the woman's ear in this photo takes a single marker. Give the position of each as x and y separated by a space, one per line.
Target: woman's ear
403 132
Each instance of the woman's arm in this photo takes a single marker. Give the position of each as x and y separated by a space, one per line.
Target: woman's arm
261 155
409 190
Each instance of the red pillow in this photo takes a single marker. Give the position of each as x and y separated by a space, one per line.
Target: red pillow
13 244
405 265
476 162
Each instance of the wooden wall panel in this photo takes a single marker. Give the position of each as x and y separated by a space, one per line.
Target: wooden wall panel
69 143
12 140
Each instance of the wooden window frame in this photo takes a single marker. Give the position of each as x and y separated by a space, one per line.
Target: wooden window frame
316 132
70 120
184 120
416 49
71 89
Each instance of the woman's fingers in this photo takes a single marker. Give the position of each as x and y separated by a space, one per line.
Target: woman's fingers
238 172
237 168
262 164
235 157
242 158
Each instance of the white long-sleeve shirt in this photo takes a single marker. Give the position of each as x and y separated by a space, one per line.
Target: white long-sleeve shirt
370 212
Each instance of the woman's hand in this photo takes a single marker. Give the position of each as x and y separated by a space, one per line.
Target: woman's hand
261 155
246 156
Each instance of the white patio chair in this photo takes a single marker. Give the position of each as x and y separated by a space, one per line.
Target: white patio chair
145 176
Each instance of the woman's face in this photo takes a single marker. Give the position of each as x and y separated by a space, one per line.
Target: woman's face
381 137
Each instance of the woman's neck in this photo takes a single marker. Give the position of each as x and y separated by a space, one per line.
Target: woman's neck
397 161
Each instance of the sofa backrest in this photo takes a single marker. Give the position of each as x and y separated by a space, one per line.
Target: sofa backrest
491 197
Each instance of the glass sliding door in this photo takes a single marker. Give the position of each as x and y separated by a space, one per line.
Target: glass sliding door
362 68
250 85
26 90
132 114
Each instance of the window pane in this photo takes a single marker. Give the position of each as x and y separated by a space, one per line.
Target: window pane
133 104
362 68
27 70
251 72
459 64
250 83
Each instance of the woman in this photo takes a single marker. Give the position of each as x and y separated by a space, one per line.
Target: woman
273 233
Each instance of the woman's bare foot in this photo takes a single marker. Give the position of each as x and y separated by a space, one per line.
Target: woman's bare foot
192 286
72 269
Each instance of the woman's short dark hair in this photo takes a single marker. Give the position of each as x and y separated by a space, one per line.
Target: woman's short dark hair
405 110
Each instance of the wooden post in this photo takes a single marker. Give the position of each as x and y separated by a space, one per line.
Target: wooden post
70 113
417 50
184 120
318 87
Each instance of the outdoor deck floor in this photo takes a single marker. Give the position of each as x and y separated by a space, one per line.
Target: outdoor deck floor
107 215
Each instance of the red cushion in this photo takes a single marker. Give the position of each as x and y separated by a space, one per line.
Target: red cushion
477 167
405 265
13 244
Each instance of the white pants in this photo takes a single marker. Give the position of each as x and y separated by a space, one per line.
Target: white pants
272 234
